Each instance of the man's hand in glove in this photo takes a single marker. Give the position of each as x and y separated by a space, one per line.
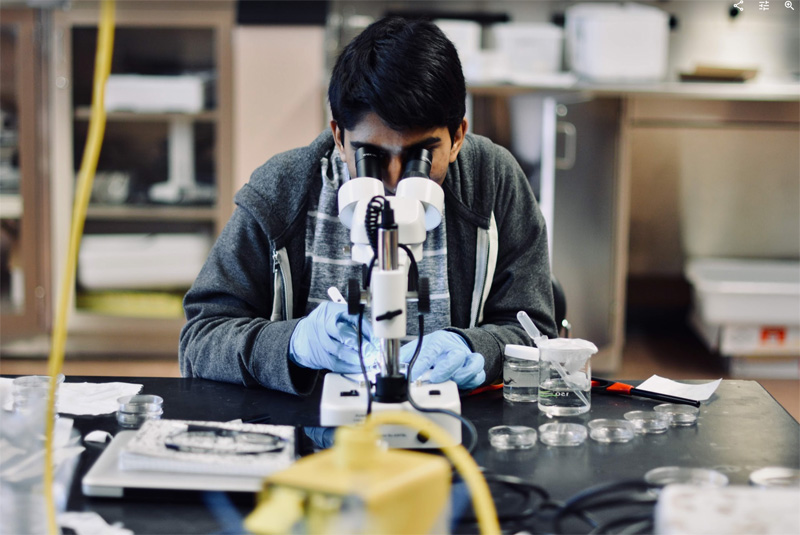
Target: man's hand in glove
328 339
447 356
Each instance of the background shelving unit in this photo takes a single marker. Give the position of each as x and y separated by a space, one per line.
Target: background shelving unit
24 245
163 38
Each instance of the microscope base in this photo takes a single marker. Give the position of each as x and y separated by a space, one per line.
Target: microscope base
344 402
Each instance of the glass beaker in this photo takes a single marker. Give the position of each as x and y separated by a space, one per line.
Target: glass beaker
521 373
30 392
565 377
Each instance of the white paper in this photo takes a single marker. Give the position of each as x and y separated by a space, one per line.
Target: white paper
697 392
101 437
93 398
90 523
83 399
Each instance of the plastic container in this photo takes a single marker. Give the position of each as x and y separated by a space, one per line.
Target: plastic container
531 48
521 373
464 34
562 434
680 415
141 261
133 411
30 392
565 386
608 430
775 476
741 291
667 475
648 422
512 437
617 42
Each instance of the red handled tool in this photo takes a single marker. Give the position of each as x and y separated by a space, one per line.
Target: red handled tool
603 385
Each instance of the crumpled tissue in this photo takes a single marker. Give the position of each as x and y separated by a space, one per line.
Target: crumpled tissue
83 399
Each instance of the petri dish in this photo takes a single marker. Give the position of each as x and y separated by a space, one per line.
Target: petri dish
133 411
680 415
703 477
609 430
512 437
775 476
562 434
648 422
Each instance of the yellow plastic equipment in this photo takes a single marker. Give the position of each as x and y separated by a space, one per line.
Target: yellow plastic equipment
360 486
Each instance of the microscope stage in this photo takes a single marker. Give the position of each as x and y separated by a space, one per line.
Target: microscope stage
344 402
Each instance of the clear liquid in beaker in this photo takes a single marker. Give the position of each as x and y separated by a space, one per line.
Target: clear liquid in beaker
556 398
520 380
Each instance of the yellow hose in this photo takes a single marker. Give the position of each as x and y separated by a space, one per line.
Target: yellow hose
91 153
482 502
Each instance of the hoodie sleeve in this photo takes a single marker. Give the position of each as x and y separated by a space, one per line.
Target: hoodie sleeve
521 278
228 336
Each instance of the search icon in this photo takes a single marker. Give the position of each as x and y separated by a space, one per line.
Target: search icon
788 5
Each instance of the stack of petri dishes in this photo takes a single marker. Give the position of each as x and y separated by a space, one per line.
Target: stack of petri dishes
562 434
679 415
135 410
607 430
512 437
648 422
667 475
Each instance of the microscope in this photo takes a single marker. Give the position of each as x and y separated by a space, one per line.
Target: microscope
387 234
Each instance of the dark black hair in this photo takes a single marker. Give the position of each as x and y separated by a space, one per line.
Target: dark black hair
405 71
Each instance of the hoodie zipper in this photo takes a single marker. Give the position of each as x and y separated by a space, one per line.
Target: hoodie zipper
280 305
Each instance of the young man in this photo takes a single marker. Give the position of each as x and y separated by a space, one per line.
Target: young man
258 312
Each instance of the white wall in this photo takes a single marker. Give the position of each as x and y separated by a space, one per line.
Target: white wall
279 87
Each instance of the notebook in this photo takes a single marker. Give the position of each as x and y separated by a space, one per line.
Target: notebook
124 467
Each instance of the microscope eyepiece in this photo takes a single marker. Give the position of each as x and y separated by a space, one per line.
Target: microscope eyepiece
367 163
419 164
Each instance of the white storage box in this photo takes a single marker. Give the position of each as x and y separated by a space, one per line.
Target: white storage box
617 42
531 48
465 35
748 340
750 292
157 94
141 261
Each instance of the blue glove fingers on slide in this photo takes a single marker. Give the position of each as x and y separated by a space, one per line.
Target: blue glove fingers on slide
449 356
424 361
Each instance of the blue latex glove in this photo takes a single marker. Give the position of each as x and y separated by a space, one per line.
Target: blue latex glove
448 356
327 339
322 437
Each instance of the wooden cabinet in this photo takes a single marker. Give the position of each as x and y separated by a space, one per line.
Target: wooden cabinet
133 195
24 282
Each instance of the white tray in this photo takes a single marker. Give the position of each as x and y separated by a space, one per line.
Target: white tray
741 291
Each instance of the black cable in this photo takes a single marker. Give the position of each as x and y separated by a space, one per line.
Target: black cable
469 425
582 501
517 481
528 509
645 526
601 489
361 360
633 520
413 273
371 219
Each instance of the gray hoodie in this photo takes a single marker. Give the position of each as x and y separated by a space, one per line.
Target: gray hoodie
241 309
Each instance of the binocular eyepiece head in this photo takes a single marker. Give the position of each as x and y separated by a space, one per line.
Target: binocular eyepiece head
368 163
